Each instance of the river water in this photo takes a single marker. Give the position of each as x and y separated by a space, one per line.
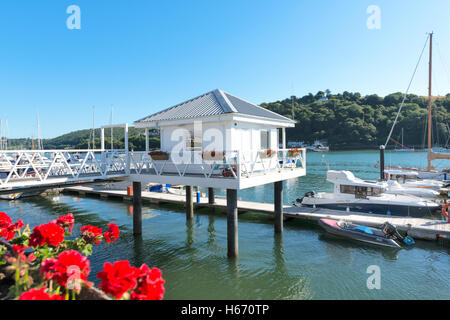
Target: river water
303 263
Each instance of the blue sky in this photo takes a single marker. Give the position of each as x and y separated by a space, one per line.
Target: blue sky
142 56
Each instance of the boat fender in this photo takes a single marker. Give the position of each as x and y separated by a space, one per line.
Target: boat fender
387 175
444 210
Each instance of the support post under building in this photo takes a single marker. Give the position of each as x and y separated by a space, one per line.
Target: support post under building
278 206
137 208
211 199
232 223
189 204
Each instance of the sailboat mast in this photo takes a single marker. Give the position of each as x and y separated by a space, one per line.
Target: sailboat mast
429 167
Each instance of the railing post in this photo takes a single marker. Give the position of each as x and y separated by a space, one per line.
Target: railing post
147 148
127 153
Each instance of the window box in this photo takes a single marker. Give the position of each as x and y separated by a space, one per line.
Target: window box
294 152
213 155
159 155
265 154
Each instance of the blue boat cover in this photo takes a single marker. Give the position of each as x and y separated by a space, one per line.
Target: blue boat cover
364 229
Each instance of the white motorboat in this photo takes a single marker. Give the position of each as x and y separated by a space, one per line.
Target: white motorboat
353 194
411 179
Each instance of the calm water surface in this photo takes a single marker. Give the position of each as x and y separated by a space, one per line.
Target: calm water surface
305 263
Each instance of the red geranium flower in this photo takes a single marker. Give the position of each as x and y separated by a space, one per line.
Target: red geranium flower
118 278
18 249
112 234
91 234
5 220
150 284
69 269
39 294
49 233
66 222
9 231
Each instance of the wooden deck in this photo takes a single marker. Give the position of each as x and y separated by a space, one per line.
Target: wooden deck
418 228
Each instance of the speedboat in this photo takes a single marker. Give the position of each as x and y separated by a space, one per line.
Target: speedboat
356 195
11 196
387 235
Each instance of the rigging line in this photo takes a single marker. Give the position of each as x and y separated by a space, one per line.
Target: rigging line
402 145
406 93
443 61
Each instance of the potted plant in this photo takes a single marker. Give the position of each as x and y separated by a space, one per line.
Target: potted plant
213 155
294 152
159 155
269 153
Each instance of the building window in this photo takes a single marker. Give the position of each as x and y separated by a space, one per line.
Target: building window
193 142
265 139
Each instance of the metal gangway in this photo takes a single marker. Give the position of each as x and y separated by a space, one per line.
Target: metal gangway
28 169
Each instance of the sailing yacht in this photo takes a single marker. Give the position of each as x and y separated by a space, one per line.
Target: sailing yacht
430 171
374 197
404 149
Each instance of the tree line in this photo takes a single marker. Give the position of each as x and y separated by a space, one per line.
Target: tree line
352 121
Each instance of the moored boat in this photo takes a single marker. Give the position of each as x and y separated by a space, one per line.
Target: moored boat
387 235
356 195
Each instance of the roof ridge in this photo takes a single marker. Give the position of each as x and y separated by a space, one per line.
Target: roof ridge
277 114
224 102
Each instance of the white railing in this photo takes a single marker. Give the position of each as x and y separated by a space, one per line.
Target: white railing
235 164
37 167
23 167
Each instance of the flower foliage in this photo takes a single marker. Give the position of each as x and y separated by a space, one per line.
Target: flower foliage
46 266
91 234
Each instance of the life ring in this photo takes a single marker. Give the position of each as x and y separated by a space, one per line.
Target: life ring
444 210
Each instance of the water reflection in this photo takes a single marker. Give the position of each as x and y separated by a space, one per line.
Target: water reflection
189 233
278 253
138 245
341 249
211 229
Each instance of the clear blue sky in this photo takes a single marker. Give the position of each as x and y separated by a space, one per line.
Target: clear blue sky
143 56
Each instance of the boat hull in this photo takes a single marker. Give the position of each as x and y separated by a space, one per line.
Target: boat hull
381 209
377 238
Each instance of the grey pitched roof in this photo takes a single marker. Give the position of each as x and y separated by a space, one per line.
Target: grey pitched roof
213 103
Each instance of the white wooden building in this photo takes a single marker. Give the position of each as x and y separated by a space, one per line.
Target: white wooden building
219 121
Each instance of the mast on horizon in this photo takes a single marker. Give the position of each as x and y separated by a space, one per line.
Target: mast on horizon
429 166
431 155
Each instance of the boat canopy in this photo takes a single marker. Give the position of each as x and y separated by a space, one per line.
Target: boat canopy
345 177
